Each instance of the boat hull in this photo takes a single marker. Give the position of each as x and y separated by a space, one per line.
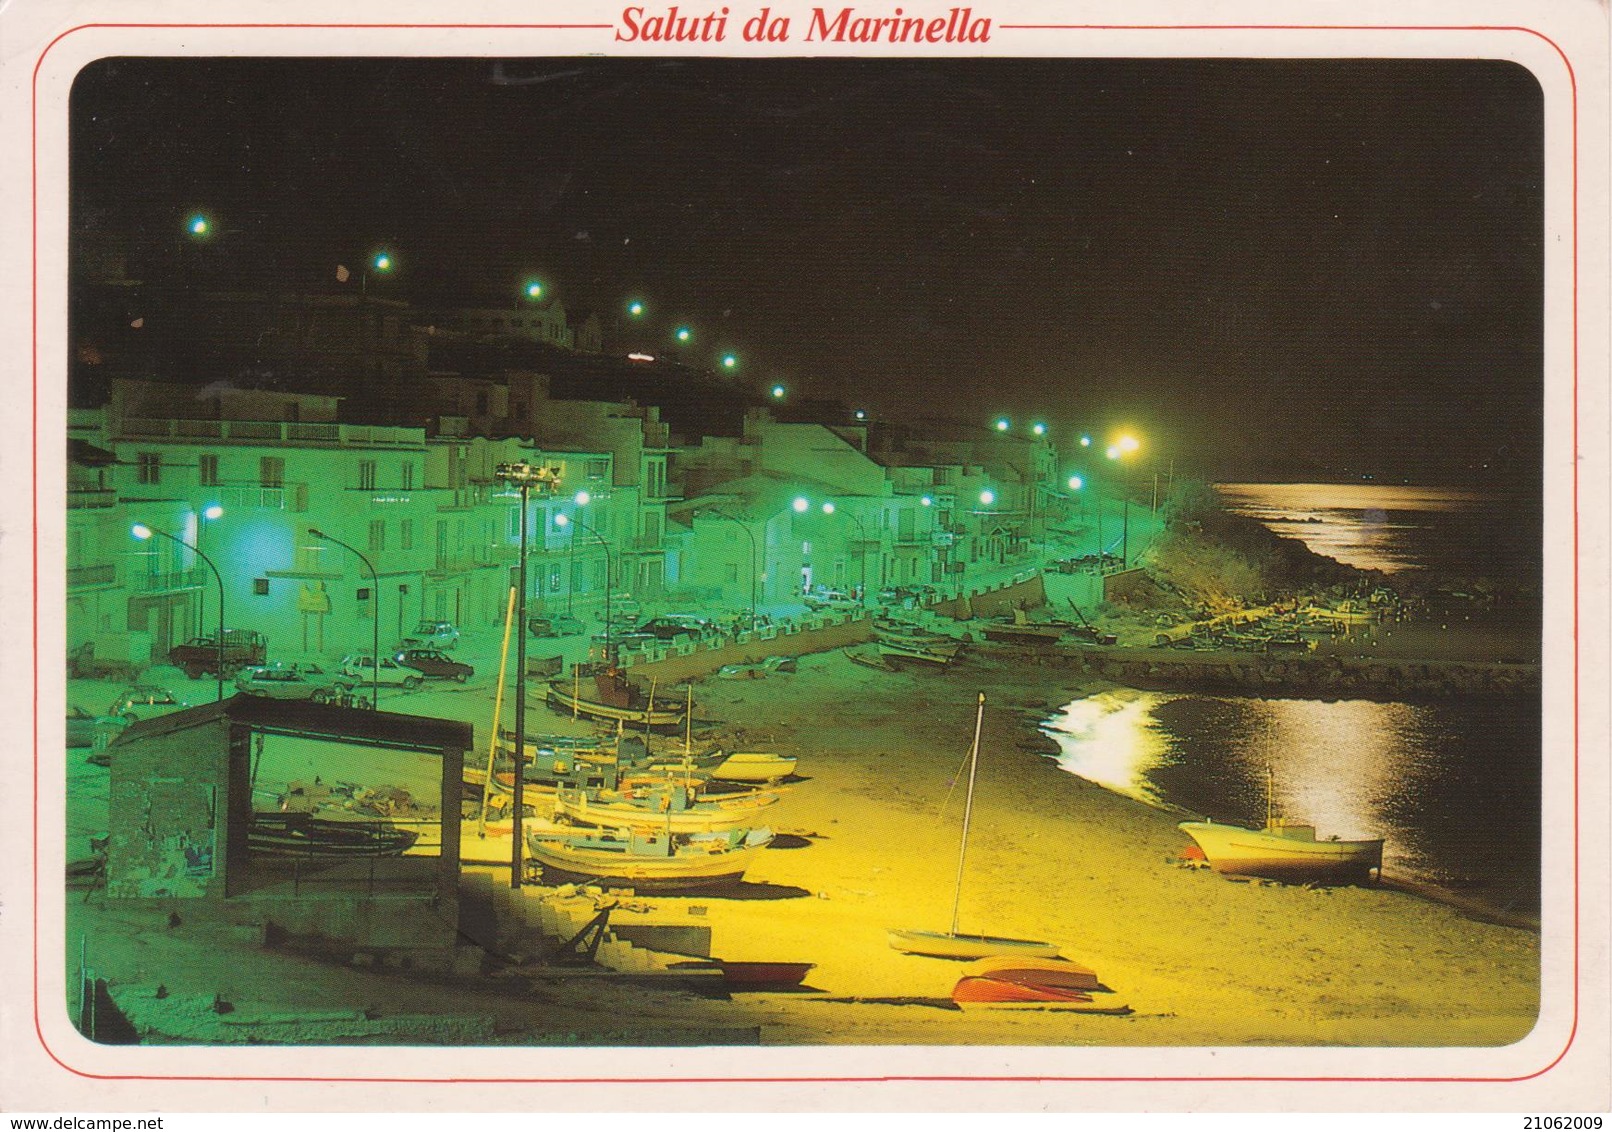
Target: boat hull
979 989
945 945
1237 852
655 718
303 837
698 817
1036 971
566 859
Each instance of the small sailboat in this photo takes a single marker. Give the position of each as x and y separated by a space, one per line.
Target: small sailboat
953 944
1284 850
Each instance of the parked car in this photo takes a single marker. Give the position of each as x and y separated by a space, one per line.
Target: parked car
144 701
81 728
907 596
562 626
435 663
670 625
200 656
358 669
288 682
831 601
432 635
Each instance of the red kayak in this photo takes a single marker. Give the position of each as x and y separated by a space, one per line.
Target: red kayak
1035 971
976 988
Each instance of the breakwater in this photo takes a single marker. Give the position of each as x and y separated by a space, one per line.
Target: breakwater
1306 677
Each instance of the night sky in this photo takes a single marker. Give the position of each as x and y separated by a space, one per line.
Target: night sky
1312 267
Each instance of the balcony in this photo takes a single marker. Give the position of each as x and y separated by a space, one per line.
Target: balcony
84 497
170 581
312 434
291 497
84 577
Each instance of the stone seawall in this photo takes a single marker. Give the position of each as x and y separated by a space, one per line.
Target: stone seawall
1306 677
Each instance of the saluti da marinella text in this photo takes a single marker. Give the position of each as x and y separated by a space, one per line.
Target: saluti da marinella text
824 25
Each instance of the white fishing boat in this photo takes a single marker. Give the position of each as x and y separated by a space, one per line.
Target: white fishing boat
649 861
959 945
672 808
1285 851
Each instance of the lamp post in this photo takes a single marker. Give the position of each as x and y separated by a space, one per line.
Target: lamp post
210 512
525 477
1118 451
745 527
375 613
610 627
862 553
144 531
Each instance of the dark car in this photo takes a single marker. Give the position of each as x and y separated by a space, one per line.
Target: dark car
562 626
671 625
435 664
81 727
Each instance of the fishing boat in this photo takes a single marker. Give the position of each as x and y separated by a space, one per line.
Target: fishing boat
1285 851
740 766
1020 630
649 861
936 651
954 944
614 699
302 836
672 807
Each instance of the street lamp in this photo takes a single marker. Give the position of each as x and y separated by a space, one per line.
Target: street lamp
729 361
144 531
610 628
198 226
635 308
210 512
375 613
1121 448
777 392
745 527
532 289
582 500
829 508
1003 424
525 477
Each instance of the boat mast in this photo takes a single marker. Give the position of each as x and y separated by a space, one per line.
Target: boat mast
1270 788
968 811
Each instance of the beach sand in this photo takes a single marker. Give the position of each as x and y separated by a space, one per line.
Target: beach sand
1199 959
869 841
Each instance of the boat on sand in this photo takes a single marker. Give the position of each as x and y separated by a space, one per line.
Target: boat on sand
954 944
645 860
1285 851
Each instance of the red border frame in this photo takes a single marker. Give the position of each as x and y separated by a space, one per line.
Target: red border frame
34 441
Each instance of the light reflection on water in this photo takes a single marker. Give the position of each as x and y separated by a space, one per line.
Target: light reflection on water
1369 526
1453 788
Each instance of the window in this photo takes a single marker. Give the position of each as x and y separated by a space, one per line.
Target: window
271 471
596 469
207 471
260 587
366 475
377 535
655 479
405 534
150 467
733 571
408 476
554 579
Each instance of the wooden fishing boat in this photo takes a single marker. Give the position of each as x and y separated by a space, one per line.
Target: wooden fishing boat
614 699
672 807
644 860
954 944
740 766
870 659
303 836
762 974
1285 851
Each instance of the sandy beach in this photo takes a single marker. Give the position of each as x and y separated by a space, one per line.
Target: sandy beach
869 840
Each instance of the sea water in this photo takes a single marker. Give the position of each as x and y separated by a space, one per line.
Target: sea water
1452 785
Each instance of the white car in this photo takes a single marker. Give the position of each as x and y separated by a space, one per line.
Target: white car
357 670
432 635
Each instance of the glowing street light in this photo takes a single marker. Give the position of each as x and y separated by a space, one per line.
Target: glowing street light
861 414
926 500
987 497
143 532
583 499
199 226
777 392
524 476
1003 424
682 334
533 289
1129 443
382 262
1085 442
729 361
1076 483
801 504
375 597
636 309
1039 429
